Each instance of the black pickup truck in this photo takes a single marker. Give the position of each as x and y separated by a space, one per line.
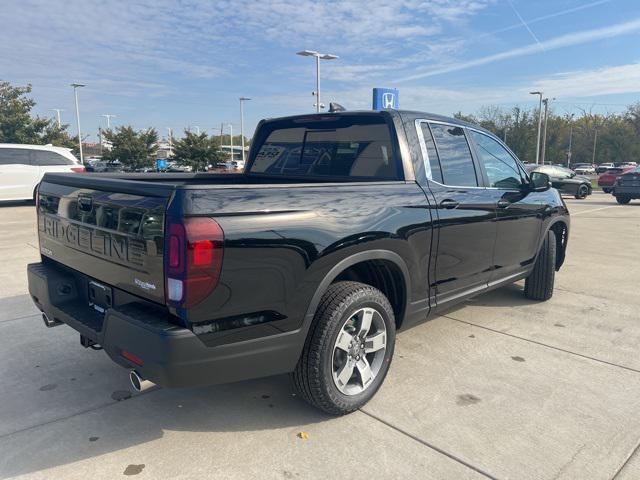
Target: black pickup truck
343 229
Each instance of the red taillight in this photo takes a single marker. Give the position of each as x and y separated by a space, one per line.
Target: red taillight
193 260
174 250
203 252
78 169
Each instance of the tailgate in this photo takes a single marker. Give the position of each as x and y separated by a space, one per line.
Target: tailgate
116 237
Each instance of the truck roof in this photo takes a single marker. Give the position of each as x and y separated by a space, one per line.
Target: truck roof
404 114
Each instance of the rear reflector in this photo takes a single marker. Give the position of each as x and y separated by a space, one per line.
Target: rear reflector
174 289
132 357
193 259
79 169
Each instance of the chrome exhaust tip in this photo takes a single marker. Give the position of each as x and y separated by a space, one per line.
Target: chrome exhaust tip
138 383
50 323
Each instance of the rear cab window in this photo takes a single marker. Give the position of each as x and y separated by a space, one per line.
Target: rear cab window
354 147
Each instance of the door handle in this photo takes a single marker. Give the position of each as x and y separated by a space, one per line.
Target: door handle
503 203
449 204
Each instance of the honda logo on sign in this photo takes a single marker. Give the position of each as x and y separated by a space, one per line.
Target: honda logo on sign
388 100
384 98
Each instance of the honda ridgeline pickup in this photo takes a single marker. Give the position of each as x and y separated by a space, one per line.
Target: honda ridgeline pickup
343 229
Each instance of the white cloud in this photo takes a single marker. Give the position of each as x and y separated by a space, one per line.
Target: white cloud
620 79
590 83
563 41
142 40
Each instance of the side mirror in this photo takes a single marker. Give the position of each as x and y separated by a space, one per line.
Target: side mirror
540 182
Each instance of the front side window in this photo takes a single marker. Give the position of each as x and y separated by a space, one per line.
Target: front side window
502 169
455 157
15 156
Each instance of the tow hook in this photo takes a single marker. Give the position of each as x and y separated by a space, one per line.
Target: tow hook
138 383
49 322
88 343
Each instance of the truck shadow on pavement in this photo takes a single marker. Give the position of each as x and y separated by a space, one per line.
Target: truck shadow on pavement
256 409
62 404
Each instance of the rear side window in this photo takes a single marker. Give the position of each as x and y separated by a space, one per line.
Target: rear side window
357 146
15 156
455 157
432 154
44 158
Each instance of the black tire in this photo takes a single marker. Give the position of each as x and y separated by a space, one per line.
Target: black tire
582 192
313 376
606 190
622 200
539 283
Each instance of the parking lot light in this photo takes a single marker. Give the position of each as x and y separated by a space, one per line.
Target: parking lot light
539 125
58 110
242 100
319 56
75 93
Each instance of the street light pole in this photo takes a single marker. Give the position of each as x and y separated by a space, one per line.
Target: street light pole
595 143
539 125
319 56
170 142
58 110
318 102
108 116
570 144
544 134
231 139
570 140
242 100
75 93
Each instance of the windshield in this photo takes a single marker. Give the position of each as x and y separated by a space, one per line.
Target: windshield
355 146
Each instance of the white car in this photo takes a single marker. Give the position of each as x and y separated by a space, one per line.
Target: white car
584 169
23 166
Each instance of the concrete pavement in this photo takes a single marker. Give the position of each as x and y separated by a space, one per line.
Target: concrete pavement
499 387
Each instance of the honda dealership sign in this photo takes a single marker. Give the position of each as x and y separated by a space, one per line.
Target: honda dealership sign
385 98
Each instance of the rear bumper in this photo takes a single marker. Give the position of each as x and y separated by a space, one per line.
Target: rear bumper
633 192
173 356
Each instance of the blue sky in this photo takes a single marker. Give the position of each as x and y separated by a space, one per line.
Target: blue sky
184 63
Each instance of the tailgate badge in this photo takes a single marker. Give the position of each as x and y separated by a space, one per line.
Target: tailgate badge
144 285
85 203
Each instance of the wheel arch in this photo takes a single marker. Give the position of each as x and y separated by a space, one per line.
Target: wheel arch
383 269
560 227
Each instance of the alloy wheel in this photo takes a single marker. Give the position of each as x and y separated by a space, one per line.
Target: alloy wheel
359 351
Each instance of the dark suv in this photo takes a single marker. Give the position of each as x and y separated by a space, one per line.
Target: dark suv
627 186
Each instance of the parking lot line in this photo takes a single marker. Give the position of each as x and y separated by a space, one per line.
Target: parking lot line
427 444
543 344
592 210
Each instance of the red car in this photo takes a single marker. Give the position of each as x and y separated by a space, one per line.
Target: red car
607 180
